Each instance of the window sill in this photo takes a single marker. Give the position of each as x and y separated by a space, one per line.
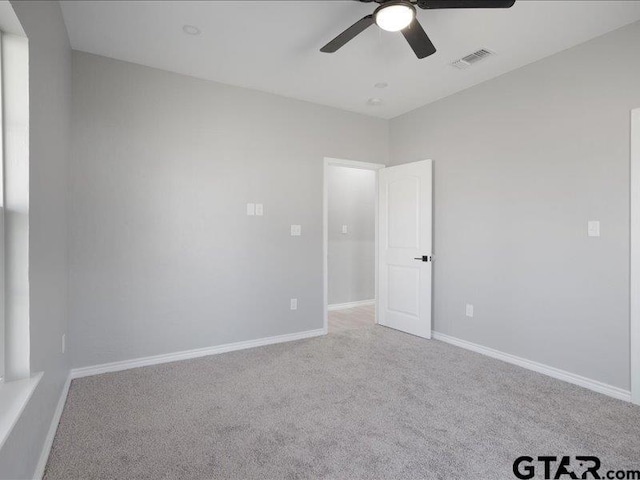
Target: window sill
14 396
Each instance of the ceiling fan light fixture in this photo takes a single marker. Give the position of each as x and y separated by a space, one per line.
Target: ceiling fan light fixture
395 16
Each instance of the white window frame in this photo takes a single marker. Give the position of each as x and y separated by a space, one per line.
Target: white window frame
2 203
19 382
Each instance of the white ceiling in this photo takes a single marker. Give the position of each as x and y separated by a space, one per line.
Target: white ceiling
273 46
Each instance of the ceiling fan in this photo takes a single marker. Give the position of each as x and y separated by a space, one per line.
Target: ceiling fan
400 16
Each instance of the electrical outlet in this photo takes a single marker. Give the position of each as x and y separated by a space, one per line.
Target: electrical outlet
294 304
345 229
251 209
469 310
64 342
593 228
259 209
296 230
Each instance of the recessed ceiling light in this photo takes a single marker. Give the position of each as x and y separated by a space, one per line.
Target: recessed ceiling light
191 30
381 85
374 102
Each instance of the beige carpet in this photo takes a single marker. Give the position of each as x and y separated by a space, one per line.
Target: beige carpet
368 403
351 318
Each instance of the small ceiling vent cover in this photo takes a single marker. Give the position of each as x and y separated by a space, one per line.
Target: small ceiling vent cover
472 59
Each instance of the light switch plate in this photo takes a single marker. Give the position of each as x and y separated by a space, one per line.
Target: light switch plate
593 228
294 304
259 209
296 230
345 229
251 209
469 310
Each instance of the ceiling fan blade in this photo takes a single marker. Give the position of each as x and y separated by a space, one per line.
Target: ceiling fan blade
419 40
349 34
433 4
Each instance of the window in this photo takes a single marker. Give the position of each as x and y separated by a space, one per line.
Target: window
2 304
18 383
14 100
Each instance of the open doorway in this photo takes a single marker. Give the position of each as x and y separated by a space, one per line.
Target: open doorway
350 244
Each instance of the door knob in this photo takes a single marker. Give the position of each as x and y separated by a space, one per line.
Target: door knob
424 258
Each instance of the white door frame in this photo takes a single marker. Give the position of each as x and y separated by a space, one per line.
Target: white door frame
336 162
634 291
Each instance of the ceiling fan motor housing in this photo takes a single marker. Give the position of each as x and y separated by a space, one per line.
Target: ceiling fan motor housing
383 1
388 3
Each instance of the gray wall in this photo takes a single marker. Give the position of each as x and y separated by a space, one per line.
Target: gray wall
351 256
50 97
162 255
522 162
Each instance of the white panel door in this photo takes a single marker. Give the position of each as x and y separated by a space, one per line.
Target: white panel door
405 229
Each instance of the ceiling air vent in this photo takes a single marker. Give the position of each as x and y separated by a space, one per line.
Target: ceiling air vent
475 57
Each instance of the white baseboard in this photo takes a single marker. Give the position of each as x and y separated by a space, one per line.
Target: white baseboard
343 306
189 354
585 382
48 441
